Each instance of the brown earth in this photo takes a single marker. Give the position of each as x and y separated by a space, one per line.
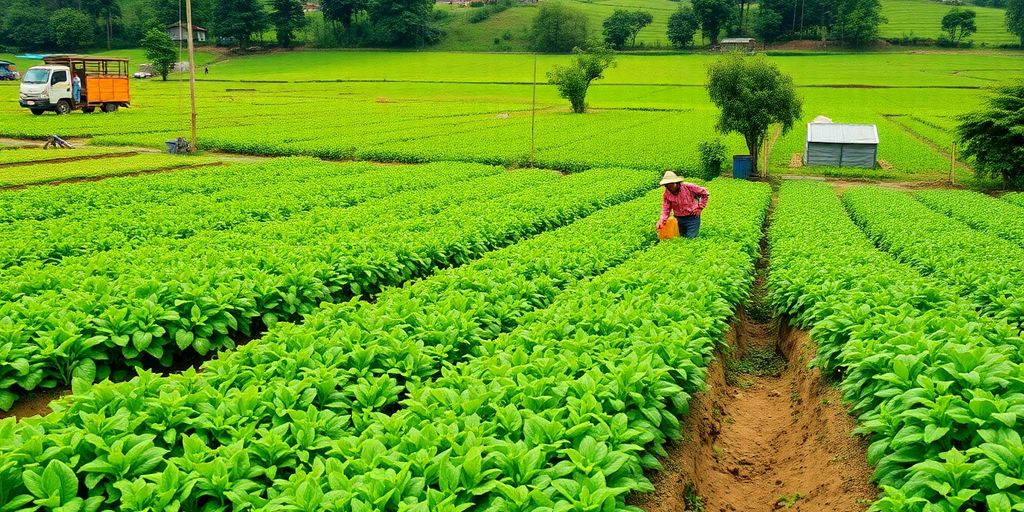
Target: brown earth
765 443
36 403
796 161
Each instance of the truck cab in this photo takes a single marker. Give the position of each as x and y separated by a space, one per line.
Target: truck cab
48 88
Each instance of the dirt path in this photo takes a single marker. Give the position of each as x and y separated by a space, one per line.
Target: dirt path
768 434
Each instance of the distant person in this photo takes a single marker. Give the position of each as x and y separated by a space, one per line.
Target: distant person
76 88
685 200
206 69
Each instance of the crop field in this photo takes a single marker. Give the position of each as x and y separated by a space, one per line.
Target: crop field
425 107
923 18
388 284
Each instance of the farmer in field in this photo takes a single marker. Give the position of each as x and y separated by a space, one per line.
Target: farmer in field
685 200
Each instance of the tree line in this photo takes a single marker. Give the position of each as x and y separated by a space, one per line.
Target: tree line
75 25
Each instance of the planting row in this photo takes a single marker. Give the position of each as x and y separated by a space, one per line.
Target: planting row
979 211
14 156
308 417
76 321
182 216
988 269
938 388
96 167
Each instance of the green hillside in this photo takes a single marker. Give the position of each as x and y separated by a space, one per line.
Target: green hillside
922 18
511 26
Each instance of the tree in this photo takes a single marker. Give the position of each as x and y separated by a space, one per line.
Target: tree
404 23
558 28
1015 18
958 24
168 12
713 16
574 80
70 29
342 11
160 51
995 136
859 21
768 25
752 95
239 19
624 26
682 26
103 11
25 25
287 17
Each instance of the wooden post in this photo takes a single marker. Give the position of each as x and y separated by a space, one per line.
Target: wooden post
952 165
191 72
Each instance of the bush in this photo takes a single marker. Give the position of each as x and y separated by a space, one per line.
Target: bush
486 11
712 157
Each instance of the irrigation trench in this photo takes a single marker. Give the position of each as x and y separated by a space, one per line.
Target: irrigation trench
768 434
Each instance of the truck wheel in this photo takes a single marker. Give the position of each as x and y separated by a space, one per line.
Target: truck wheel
63 107
110 107
88 110
37 112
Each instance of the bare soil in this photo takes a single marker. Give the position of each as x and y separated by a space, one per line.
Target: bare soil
36 403
796 160
764 443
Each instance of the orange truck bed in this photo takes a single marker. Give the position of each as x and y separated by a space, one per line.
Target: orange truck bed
106 89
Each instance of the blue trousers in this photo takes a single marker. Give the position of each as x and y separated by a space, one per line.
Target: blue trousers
689 226
76 93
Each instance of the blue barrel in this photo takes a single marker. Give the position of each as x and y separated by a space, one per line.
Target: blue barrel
741 166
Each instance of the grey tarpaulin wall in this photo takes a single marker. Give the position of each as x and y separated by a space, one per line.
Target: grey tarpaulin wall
841 145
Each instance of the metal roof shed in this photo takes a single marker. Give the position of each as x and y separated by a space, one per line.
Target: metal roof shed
841 145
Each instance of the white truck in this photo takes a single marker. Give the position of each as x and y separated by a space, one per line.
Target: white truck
48 87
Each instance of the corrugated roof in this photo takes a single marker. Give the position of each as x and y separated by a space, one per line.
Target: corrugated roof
737 40
832 133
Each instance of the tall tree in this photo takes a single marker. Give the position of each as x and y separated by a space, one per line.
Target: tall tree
958 24
714 15
859 21
342 11
1015 18
239 19
287 17
104 12
574 80
404 23
752 95
70 29
160 51
25 25
169 12
995 136
682 27
767 25
558 28
624 26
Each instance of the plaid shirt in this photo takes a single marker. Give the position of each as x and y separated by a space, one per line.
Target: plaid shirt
690 200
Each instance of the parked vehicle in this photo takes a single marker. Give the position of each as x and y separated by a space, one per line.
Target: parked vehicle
7 71
49 87
142 74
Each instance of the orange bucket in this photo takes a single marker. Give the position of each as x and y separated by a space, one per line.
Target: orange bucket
669 230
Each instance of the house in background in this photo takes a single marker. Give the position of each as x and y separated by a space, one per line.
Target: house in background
737 44
178 33
309 7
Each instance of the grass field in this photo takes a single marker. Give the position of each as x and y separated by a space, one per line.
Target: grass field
923 18
416 107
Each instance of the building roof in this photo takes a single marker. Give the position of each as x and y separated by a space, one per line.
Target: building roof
194 27
737 40
831 133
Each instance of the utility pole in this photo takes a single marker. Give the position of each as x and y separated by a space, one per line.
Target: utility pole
191 72
533 113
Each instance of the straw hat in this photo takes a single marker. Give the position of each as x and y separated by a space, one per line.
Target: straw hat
670 177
